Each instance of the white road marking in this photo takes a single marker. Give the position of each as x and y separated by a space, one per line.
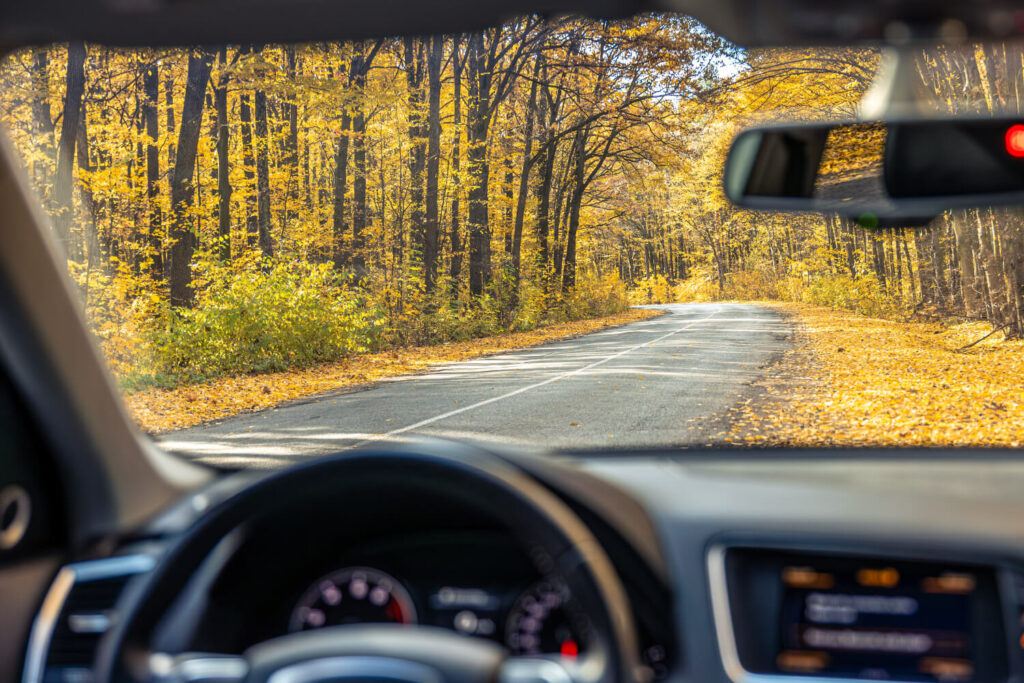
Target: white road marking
523 390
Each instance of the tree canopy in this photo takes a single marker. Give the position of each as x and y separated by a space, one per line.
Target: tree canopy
423 189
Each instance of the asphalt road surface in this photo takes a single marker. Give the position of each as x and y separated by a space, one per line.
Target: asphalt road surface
666 381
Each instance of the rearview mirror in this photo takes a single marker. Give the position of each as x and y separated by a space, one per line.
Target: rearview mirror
897 172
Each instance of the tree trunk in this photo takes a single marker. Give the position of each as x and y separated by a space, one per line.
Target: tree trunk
897 261
878 259
42 117
479 168
413 55
560 217
92 242
925 267
831 225
223 169
182 236
138 243
262 175
291 141
248 166
455 234
910 268
546 162
682 258
361 62
169 109
359 191
75 79
506 226
569 262
151 87
1010 240
939 262
340 188
524 182
966 241
990 270
575 202
431 228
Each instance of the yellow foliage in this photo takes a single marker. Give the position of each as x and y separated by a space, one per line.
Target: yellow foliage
653 290
861 381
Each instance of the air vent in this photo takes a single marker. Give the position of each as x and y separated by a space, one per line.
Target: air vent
1017 628
78 610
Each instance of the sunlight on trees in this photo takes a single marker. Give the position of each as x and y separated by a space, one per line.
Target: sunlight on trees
245 208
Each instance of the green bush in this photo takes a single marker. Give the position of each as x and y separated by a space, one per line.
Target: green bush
249 319
256 316
437 318
533 310
457 321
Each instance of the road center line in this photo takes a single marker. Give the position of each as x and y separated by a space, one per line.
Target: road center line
523 390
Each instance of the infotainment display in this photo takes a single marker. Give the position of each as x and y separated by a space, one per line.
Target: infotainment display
870 618
886 622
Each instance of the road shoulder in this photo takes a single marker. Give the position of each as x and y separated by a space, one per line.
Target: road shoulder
858 381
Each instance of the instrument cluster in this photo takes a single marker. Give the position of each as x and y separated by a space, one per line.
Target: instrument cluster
530 620
409 558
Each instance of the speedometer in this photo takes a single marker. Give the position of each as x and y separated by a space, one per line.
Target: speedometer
539 622
353 595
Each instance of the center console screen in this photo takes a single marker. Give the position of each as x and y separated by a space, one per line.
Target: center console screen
867 618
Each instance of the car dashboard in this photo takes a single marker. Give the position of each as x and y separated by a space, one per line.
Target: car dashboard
399 563
782 568
862 566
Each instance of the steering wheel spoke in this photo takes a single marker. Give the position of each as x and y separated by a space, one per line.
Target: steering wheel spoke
392 652
539 670
396 654
197 667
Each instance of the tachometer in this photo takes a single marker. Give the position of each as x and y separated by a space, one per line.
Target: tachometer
353 595
540 624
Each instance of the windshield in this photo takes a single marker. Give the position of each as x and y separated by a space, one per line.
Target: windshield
517 235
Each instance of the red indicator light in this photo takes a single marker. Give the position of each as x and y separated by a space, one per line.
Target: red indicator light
394 612
569 648
1015 140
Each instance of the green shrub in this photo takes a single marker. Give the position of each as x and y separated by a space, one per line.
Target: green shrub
249 319
458 322
419 319
255 316
437 318
533 310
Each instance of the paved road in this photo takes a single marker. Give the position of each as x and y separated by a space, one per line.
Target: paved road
664 381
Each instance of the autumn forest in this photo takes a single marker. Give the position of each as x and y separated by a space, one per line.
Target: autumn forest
248 208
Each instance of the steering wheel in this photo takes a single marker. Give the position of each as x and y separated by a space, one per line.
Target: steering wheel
554 537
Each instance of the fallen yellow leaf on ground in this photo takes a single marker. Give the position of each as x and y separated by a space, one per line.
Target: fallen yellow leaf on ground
163 410
859 381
